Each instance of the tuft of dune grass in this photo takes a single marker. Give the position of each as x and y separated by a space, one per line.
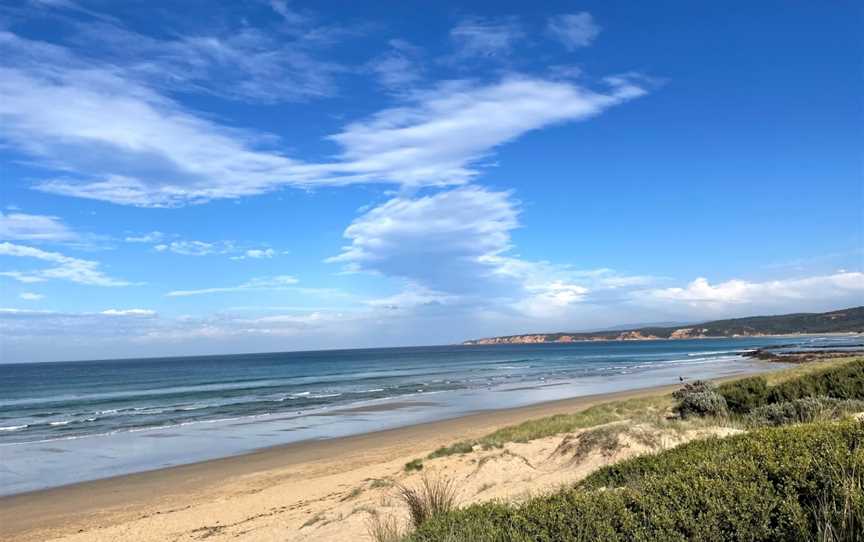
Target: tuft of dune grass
639 410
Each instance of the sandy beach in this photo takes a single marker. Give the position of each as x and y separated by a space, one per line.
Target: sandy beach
265 495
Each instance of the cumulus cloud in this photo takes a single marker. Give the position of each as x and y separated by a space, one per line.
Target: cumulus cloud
117 139
280 282
841 288
574 30
436 241
454 247
68 268
17 226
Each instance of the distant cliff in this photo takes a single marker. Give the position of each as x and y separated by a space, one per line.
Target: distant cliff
840 321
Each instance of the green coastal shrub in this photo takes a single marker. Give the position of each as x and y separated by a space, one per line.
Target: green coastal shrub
776 402
699 398
745 394
790 483
843 382
806 409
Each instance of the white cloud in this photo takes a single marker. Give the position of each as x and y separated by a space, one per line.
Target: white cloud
838 289
574 30
30 296
441 242
196 248
68 268
116 139
453 248
398 68
479 37
291 16
440 133
280 282
129 312
242 62
26 227
152 237
411 297
256 254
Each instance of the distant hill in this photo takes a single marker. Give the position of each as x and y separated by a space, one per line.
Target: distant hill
840 321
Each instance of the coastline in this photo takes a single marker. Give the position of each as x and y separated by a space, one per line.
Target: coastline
98 510
494 341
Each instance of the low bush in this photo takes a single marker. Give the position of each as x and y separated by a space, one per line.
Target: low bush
413 465
744 395
843 382
773 484
461 447
699 398
806 409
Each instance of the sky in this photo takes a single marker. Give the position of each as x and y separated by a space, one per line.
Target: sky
225 177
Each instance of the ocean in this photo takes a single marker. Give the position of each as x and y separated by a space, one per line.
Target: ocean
68 422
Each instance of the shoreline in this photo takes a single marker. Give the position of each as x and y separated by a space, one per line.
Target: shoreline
81 507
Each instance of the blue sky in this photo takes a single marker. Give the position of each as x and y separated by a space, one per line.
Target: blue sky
272 175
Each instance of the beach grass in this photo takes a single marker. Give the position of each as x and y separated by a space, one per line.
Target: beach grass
639 409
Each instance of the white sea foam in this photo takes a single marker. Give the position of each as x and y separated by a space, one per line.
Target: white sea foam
14 427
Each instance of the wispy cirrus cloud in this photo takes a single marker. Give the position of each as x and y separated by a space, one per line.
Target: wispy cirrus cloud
245 64
256 254
151 237
437 137
486 37
18 226
118 139
196 248
67 268
280 282
398 68
573 30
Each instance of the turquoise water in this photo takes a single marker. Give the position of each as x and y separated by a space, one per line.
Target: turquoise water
66 422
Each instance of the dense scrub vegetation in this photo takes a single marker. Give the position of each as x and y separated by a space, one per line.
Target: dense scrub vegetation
845 381
803 482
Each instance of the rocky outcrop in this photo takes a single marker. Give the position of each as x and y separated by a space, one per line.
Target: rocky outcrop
516 339
688 333
636 336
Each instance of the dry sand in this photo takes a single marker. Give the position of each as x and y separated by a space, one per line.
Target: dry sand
323 490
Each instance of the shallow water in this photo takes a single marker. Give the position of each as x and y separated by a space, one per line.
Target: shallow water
67 422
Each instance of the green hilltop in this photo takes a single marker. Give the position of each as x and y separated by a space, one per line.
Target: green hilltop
849 320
